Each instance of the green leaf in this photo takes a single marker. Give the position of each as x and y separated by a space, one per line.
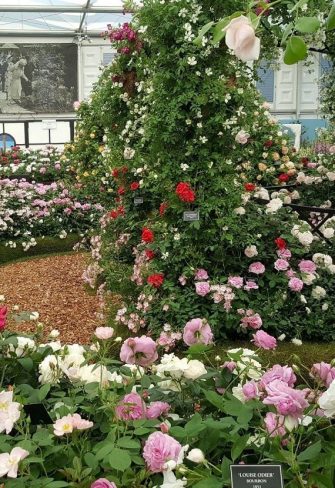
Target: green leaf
90 460
218 31
296 50
104 451
195 425
288 30
215 399
225 468
239 446
310 453
307 25
209 483
43 391
298 5
57 484
26 363
197 41
145 381
119 459
330 22
128 443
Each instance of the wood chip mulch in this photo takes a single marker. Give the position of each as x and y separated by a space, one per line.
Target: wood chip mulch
53 287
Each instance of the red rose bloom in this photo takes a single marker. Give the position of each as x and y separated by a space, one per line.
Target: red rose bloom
280 243
115 172
114 214
121 210
249 186
147 235
149 254
124 169
121 190
304 161
268 143
162 208
3 317
283 177
156 280
185 192
134 186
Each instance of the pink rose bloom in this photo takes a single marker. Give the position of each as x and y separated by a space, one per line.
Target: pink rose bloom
252 321
231 365
57 166
159 449
295 284
284 253
250 390
242 137
250 285
264 340
235 281
157 409
139 350
281 265
275 424
80 423
257 268
307 266
201 274
278 372
43 170
103 483
76 106
131 407
324 372
290 273
242 40
202 288
287 400
182 280
197 331
104 333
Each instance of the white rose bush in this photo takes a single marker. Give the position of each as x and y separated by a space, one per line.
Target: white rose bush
75 416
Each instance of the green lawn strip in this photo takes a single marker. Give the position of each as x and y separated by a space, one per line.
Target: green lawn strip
45 246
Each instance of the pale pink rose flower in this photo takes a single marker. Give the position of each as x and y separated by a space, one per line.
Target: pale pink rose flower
264 340
290 273
242 137
257 268
157 409
103 483
139 350
131 407
201 274
324 372
295 284
275 424
250 390
251 251
284 253
197 331
9 462
307 266
76 105
252 321
63 426
235 281
241 38
159 449
287 400
202 288
231 365
281 265
182 280
80 423
278 372
104 333
250 285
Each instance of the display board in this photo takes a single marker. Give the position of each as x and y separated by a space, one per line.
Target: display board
38 78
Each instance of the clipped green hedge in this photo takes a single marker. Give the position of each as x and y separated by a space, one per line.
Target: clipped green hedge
46 245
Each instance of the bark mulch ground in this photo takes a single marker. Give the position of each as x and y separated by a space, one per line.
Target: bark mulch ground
53 287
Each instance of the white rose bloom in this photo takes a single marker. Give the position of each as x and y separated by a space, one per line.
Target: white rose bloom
328 232
331 175
24 346
91 373
194 370
308 278
55 345
129 153
50 370
296 342
239 211
136 371
247 363
281 337
196 456
54 334
327 401
322 259
251 251
9 411
318 292
331 269
238 393
274 205
170 481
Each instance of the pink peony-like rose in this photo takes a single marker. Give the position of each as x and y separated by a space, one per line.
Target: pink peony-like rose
201 274
242 137
197 331
250 390
307 266
250 285
235 281
241 38
264 340
202 288
104 333
159 449
231 365
253 321
157 409
182 280
287 400
284 253
131 407
278 372
139 350
324 372
257 268
103 483
274 424
281 265
295 284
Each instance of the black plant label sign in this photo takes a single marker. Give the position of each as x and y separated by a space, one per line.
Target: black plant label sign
191 216
256 476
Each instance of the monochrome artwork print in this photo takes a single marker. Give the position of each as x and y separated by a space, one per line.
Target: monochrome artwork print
38 78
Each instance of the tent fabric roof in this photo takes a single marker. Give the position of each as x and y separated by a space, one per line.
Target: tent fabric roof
59 17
